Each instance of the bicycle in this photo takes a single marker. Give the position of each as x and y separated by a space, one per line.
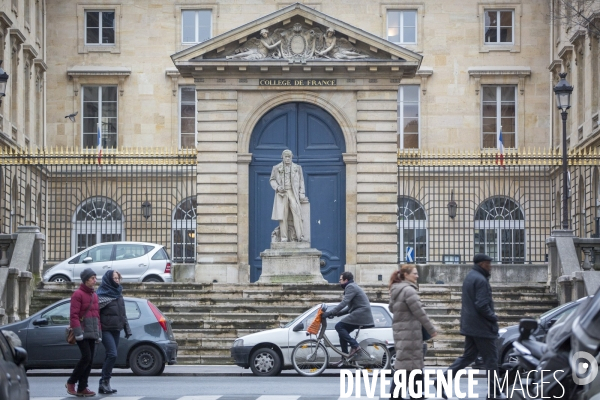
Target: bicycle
310 357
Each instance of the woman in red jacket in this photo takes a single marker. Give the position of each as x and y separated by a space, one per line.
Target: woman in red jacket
85 321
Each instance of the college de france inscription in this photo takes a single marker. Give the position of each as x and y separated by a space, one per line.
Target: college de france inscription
297 82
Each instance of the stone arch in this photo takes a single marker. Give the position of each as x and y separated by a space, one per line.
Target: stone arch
348 129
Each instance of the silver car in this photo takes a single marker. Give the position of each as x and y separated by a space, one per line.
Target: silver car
136 261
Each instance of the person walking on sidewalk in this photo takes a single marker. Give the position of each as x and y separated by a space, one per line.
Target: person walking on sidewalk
409 321
478 320
113 319
356 304
85 321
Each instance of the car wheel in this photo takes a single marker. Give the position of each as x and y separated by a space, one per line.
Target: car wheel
152 279
146 361
265 362
59 279
392 358
161 370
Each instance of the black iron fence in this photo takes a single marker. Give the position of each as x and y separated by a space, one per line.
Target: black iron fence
452 205
146 195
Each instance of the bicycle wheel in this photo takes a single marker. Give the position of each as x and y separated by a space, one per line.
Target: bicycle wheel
374 356
310 358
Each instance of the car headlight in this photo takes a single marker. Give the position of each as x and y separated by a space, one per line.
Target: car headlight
502 331
238 342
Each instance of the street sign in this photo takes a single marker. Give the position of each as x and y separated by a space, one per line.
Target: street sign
410 254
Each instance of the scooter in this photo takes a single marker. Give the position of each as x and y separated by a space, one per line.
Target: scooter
555 369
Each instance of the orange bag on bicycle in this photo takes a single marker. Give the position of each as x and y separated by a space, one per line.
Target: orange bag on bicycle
313 329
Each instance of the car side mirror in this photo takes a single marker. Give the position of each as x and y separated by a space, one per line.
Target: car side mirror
298 328
20 355
552 322
87 260
40 322
526 326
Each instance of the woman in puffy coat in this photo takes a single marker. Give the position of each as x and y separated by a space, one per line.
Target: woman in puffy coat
409 320
114 319
85 321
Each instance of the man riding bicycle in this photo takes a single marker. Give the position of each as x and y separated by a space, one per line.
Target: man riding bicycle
356 304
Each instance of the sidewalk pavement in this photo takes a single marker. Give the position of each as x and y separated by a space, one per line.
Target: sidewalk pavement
190 370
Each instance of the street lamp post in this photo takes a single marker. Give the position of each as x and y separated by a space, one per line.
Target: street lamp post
563 91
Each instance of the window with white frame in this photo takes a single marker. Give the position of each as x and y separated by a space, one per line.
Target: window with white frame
500 230
97 220
187 117
408 117
402 26
498 112
196 26
412 230
100 27
184 231
499 26
99 107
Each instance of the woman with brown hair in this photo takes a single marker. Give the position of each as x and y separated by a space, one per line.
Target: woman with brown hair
409 321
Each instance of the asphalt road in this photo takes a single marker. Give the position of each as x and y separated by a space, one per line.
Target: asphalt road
283 387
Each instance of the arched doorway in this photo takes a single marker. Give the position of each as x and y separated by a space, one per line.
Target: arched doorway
317 142
97 220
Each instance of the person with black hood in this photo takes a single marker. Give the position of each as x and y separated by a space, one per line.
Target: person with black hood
356 304
85 321
478 320
113 319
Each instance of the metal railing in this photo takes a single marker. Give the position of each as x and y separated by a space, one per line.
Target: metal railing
505 206
130 194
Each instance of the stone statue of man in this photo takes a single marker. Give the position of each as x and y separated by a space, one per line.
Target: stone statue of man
288 182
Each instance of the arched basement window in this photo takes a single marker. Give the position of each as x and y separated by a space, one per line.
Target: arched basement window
184 231
97 220
500 230
412 230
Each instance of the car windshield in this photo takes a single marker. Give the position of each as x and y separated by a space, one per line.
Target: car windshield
555 309
298 318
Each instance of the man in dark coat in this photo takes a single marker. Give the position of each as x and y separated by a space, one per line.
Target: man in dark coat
356 304
478 321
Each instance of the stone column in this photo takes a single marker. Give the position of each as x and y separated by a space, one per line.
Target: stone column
12 295
25 292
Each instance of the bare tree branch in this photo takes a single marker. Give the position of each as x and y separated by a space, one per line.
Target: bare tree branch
579 14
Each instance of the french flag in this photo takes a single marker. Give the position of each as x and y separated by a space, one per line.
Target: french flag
500 153
99 145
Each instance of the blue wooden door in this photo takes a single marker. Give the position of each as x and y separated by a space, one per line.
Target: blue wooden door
317 142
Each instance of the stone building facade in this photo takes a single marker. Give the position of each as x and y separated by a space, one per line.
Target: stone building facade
23 109
408 76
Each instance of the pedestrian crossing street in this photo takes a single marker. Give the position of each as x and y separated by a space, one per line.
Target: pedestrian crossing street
227 397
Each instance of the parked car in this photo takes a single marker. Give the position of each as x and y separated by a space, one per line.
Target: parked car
136 261
266 353
13 379
506 336
151 346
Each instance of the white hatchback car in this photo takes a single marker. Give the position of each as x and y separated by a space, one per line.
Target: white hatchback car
266 353
136 261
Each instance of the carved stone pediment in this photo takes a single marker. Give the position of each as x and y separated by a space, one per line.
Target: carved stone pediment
296 34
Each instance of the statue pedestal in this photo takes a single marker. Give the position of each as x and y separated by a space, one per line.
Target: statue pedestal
291 262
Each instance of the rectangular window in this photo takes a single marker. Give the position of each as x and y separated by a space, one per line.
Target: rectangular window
499 27
187 117
402 26
498 111
408 117
196 26
99 107
100 27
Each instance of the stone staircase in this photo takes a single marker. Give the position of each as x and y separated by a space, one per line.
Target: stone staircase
207 318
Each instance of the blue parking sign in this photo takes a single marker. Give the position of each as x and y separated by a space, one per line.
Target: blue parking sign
410 254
